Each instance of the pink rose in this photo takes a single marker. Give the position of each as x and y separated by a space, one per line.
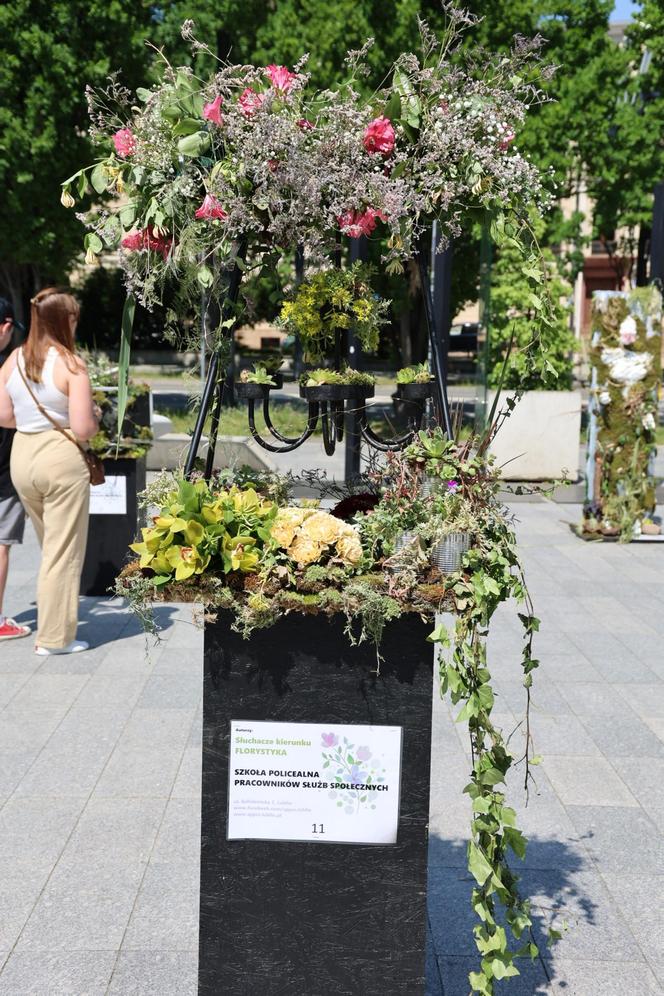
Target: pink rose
210 208
250 101
379 136
357 223
212 110
124 142
281 77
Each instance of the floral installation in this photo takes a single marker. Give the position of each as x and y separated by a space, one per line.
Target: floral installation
626 364
247 550
196 175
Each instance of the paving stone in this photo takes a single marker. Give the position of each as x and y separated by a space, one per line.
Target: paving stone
172 691
656 724
561 735
155 973
620 839
624 736
644 777
645 699
593 699
36 829
13 766
641 900
587 781
179 830
45 973
139 773
28 731
601 978
165 915
157 727
565 669
188 779
454 974
109 691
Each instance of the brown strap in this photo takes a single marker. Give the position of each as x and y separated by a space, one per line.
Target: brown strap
42 410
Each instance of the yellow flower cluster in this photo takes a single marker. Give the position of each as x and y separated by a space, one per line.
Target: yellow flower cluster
306 534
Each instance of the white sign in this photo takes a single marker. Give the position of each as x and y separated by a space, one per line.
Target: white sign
109 498
308 781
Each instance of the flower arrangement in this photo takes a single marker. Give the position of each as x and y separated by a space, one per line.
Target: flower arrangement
259 375
196 173
134 437
625 358
311 536
332 300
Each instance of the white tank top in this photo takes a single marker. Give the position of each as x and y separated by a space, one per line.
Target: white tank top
27 415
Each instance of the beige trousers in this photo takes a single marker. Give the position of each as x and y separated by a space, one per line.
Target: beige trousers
53 482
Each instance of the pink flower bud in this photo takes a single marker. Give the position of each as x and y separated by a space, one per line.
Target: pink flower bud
212 111
210 208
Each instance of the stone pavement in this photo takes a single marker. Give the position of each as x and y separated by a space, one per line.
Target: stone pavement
100 770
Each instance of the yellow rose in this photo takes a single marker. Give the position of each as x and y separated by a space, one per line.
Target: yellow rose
286 525
349 549
322 527
304 550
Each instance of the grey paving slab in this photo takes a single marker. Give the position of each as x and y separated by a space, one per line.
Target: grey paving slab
587 781
155 973
80 973
101 786
165 914
620 839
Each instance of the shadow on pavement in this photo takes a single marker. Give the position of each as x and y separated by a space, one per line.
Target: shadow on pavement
552 878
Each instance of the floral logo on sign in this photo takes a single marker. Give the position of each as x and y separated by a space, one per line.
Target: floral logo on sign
353 766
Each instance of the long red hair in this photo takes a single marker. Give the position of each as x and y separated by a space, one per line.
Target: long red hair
51 311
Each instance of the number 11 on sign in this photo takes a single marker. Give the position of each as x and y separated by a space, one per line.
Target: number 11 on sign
318 828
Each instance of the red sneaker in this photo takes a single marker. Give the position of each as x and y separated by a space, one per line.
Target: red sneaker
11 630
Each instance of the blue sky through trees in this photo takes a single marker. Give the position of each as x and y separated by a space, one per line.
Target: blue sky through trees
624 10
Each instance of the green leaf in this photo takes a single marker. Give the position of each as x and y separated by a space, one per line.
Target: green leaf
187 126
82 184
205 276
143 94
503 969
478 866
123 358
99 178
194 145
93 242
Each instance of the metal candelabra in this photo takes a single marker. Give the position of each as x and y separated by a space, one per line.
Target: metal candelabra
332 404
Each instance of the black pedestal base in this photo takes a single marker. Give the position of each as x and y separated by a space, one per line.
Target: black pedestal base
109 536
303 919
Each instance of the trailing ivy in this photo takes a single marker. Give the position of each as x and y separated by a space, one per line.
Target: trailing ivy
492 574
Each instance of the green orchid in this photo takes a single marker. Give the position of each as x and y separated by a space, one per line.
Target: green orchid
186 560
239 555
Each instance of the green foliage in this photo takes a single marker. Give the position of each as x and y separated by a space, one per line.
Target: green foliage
331 300
199 529
524 295
347 378
49 54
259 375
419 374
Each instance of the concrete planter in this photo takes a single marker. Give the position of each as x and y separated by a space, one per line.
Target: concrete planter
169 451
540 439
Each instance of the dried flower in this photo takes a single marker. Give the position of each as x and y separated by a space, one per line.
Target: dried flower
628 331
66 198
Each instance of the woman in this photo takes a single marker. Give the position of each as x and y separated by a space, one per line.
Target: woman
45 378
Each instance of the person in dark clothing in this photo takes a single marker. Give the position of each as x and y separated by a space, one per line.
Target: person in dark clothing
12 516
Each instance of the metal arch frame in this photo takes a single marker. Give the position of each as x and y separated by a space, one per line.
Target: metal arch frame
334 413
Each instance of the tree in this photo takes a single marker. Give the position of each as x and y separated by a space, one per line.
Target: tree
50 52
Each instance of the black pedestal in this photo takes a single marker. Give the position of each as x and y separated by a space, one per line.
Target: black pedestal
304 918
109 536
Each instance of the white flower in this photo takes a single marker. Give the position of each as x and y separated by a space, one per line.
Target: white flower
626 368
648 422
604 398
628 331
